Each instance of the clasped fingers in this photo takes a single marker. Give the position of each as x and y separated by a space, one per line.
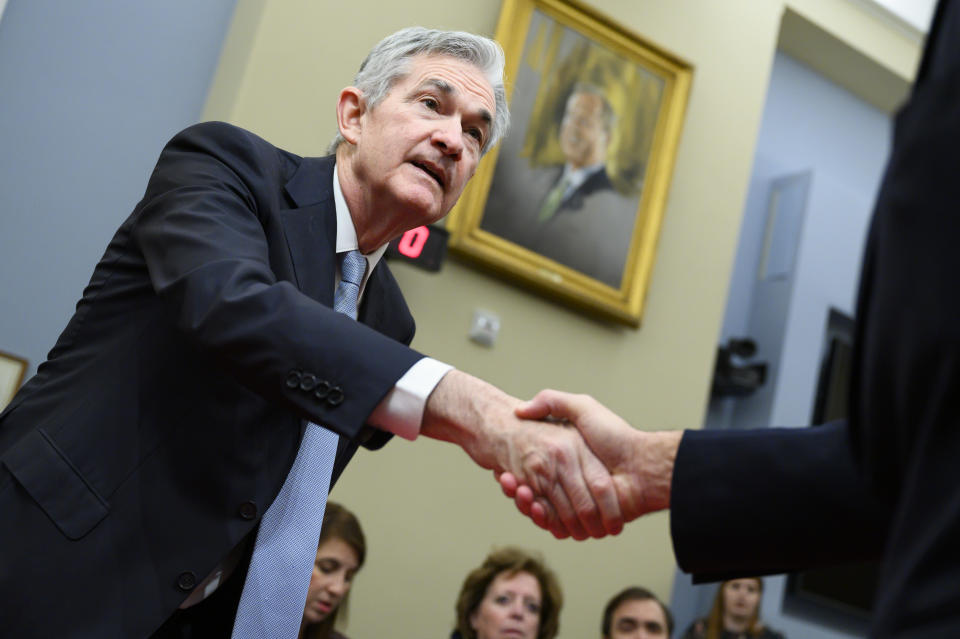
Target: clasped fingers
572 485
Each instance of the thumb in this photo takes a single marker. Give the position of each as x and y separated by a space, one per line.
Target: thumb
536 408
553 403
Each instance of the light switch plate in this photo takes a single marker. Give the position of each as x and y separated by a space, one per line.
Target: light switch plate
485 327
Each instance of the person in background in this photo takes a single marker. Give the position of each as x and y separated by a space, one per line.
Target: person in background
512 594
340 556
735 613
636 613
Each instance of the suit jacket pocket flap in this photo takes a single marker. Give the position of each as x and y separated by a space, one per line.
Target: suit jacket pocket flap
53 482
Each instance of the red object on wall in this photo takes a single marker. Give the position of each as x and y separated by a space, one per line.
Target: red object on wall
411 242
424 246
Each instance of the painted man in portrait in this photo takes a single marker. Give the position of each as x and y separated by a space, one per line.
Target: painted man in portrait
570 213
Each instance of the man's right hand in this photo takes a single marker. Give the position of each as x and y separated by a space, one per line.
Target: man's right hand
552 461
640 463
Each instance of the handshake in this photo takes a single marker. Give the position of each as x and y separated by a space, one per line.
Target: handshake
569 463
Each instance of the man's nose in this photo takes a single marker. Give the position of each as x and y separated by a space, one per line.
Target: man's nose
449 136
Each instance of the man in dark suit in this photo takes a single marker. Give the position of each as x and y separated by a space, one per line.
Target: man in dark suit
885 485
141 457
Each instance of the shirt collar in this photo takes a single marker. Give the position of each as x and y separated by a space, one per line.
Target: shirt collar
577 177
347 233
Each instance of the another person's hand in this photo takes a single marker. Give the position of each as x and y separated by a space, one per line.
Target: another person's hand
640 463
552 462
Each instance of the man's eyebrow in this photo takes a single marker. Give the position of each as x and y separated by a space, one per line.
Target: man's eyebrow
446 88
442 86
486 117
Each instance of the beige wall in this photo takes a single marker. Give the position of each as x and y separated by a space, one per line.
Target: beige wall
429 514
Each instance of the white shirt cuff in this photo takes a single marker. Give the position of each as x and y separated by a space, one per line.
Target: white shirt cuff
401 411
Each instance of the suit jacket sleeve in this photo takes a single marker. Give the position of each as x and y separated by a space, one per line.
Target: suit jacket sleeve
204 228
765 501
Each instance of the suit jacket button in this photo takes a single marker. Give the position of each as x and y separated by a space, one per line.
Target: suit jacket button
248 510
293 379
323 388
308 382
335 396
187 581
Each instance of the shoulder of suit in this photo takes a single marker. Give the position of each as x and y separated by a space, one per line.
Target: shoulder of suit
233 144
232 138
224 131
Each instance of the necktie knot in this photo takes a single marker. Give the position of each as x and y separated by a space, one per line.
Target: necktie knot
352 267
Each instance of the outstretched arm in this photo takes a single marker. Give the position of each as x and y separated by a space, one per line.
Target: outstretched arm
803 483
553 463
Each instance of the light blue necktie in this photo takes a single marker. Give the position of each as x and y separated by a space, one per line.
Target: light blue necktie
275 591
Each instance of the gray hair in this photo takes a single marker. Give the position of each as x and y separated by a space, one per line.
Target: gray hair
389 61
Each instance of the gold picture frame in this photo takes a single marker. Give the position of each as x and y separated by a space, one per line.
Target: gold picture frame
571 201
12 371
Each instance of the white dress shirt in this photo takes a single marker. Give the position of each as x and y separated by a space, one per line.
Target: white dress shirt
401 410
577 177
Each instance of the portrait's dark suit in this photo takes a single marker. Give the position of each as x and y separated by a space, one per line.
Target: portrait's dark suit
590 231
887 485
163 423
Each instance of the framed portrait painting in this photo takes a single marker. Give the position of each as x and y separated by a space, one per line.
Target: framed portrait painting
571 201
12 370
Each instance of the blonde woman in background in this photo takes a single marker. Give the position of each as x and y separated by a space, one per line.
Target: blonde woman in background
735 613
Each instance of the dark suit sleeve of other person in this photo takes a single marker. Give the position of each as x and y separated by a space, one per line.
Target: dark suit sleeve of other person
904 401
793 499
905 383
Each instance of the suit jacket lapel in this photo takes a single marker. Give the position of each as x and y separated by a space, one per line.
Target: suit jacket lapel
372 307
311 233
311 229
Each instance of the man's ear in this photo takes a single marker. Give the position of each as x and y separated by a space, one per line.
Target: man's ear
350 108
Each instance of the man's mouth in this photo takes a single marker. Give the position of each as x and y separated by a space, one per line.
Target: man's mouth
430 169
